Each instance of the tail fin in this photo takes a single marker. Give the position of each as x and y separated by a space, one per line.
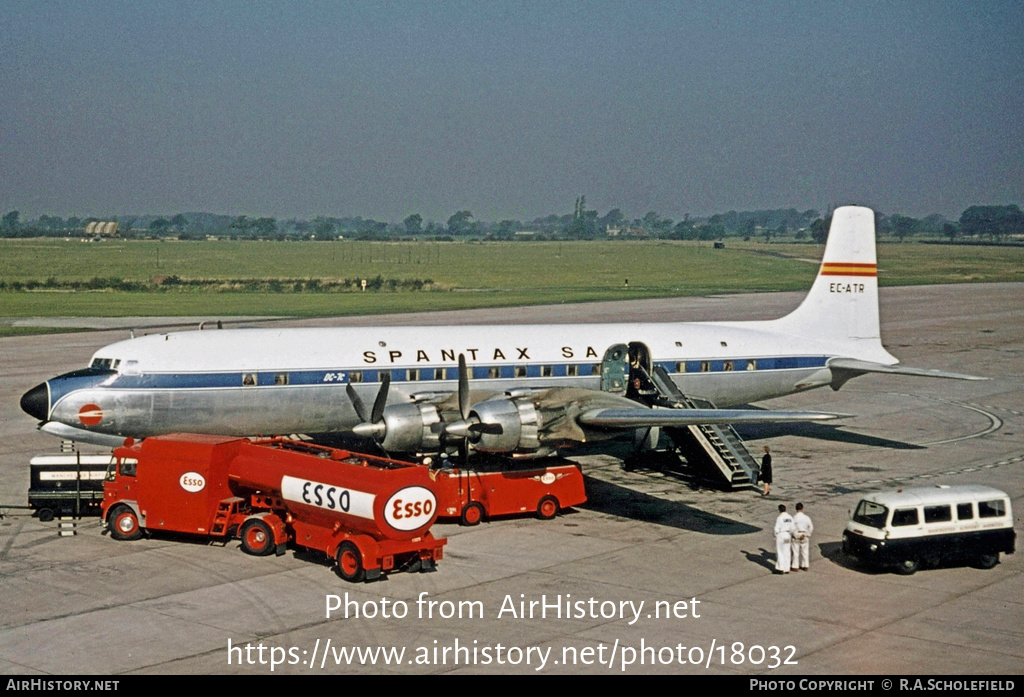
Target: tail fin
842 306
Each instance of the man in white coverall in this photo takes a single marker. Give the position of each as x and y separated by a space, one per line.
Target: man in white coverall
783 540
802 529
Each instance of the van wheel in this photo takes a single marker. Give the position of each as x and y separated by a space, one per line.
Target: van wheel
124 524
257 538
350 563
987 561
45 515
908 567
472 514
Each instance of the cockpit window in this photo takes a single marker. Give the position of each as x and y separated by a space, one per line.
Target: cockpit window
104 363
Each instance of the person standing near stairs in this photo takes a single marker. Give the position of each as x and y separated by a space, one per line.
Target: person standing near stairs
765 475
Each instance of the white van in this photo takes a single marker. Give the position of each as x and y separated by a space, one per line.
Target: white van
910 528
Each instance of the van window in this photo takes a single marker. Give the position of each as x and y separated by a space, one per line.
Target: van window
871 514
964 511
904 516
991 509
938 514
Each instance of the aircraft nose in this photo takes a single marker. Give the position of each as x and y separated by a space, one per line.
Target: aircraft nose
36 402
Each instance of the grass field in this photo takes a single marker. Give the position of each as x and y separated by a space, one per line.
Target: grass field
463 274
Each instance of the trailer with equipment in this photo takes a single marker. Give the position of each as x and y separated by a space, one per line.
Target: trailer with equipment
370 514
501 487
70 484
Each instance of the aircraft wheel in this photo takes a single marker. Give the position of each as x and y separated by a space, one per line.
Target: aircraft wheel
257 538
987 561
547 508
124 524
908 567
350 563
472 514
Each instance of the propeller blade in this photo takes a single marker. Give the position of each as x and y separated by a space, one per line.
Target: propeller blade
491 429
357 403
382 397
463 387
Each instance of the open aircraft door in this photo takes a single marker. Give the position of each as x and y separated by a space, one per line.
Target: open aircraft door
615 369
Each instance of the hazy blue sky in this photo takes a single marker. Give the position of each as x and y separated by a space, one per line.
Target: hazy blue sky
509 109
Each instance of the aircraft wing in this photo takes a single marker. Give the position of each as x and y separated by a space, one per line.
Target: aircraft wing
643 417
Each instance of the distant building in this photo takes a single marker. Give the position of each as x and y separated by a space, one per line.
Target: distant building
626 231
100 229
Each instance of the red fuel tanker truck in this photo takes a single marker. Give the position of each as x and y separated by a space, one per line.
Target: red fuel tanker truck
371 514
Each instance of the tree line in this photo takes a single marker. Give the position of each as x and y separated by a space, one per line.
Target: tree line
977 223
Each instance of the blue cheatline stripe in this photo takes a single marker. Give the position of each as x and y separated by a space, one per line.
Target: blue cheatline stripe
265 378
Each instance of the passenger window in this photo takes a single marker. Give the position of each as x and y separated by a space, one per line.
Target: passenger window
546 371
249 379
439 373
680 367
991 509
964 511
937 514
281 379
520 371
412 374
571 370
494 373
904 516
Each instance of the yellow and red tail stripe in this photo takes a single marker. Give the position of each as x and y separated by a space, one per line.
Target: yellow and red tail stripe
835 268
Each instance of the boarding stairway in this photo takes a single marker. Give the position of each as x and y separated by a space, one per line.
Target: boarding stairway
714 452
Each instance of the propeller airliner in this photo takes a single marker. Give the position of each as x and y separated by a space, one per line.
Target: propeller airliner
519 390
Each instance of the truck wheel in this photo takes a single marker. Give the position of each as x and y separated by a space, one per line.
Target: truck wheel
257 538
987 561
350 563
547 508
124 524
908 567
472 514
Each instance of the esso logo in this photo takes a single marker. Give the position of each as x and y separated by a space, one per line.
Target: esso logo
548 478
192 482
410 508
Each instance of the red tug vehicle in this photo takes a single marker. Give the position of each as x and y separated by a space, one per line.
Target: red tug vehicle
371 514
499 487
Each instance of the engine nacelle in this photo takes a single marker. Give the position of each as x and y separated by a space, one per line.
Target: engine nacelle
411 428
519 425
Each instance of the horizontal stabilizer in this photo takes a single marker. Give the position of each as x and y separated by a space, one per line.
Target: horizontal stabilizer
642 418
857 367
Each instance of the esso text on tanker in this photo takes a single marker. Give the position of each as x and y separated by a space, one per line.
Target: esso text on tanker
410 508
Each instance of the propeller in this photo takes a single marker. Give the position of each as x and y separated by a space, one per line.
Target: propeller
372 424
468 427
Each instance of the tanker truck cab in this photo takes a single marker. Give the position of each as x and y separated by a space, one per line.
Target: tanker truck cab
910 528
